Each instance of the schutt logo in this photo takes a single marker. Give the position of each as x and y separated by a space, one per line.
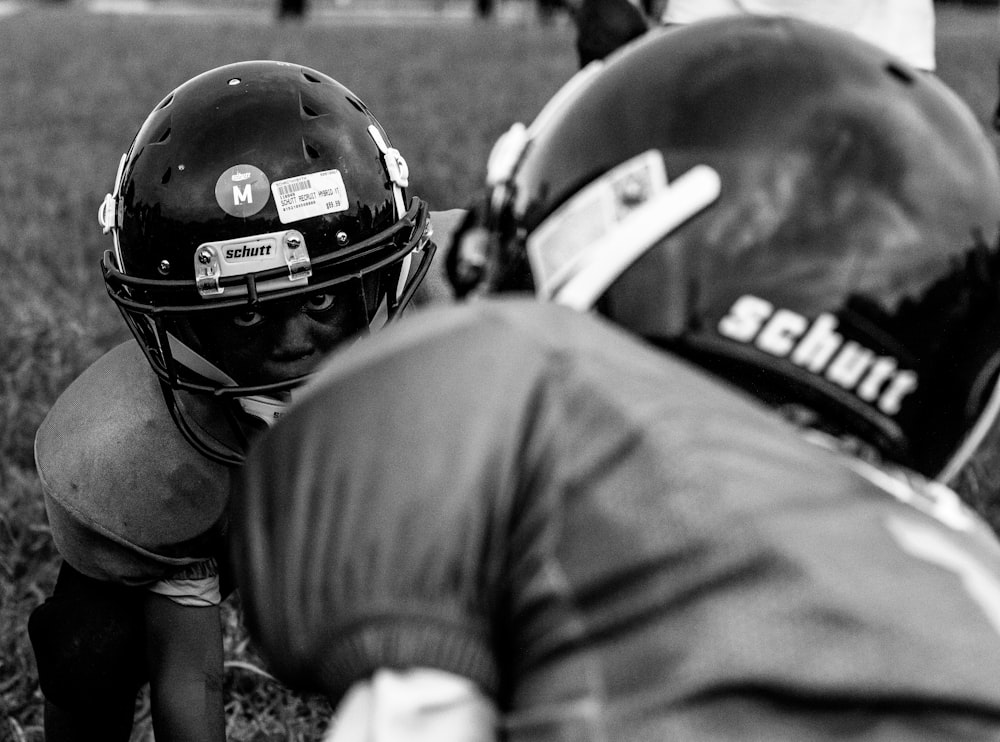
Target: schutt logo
818 348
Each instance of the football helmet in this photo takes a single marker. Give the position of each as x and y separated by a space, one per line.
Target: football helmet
250 188
782 203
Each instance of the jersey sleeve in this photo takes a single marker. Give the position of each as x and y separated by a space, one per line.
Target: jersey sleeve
197 585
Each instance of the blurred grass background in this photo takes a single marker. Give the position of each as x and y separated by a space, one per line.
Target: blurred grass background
74 87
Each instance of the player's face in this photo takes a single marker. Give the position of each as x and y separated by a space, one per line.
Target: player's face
285 340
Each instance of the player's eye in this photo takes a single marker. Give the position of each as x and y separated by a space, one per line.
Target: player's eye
319 302
248 319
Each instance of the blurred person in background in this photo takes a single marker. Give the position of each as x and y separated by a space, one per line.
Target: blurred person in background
258 220
694 488
903 27
294 10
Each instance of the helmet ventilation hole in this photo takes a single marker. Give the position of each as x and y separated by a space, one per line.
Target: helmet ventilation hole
309 111
310 77
900 73
164 135
311 152
165 102
165 178
357 104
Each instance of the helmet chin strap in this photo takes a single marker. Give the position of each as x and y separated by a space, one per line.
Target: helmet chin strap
381 316
265 408
192 360
974 439
406 272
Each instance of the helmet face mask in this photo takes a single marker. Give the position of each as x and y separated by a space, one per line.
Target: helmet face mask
369 286
817 236
254 196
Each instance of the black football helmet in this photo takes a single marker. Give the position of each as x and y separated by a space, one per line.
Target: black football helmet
782 203
252 186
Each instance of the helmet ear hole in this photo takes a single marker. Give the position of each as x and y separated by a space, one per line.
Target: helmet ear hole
901 73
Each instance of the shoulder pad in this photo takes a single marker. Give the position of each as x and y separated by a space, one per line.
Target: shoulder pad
128 498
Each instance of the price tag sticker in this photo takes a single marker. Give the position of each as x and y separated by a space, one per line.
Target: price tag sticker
305 196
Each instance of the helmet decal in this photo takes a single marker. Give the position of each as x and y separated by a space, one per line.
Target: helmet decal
242 190
817 347
306 196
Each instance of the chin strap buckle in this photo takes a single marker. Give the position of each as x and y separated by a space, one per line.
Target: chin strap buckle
296 255
395 167
207 271
107 213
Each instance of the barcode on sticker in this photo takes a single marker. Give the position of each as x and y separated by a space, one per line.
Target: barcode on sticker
287 189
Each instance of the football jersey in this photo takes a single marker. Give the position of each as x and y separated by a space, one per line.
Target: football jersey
609 541
127 497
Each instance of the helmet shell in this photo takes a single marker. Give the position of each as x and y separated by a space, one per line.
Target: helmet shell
257 187
262 121
836 267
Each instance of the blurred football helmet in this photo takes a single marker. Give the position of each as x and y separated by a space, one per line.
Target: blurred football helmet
250 187
782 203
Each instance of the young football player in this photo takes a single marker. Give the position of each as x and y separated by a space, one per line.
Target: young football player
258 220
695 493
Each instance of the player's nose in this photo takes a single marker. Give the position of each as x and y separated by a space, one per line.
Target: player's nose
294 336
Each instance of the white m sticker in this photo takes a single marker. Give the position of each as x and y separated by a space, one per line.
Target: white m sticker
242 195
242 190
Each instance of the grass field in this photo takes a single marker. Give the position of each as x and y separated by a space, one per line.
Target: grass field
73 89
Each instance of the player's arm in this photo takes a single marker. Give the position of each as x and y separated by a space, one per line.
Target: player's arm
414 704
184 653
